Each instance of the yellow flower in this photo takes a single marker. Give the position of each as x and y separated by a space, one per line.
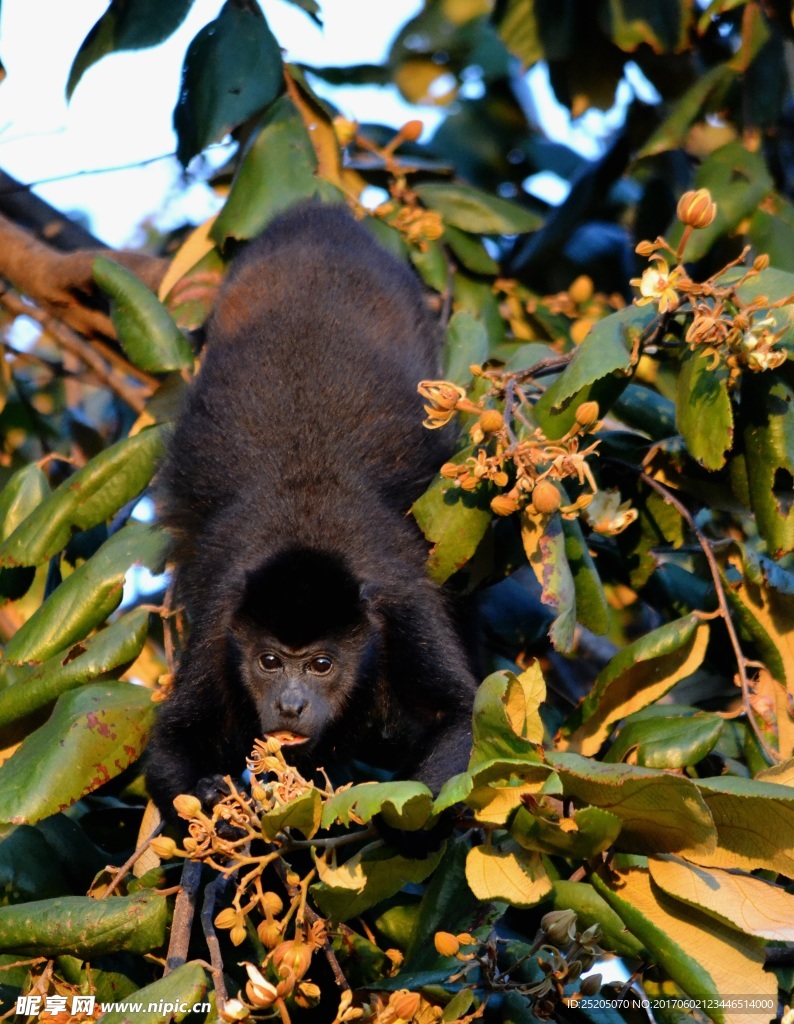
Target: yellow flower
657 284
606 515
443 398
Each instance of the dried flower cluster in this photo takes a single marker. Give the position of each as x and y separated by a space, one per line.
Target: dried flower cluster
527 469
737 334
562 952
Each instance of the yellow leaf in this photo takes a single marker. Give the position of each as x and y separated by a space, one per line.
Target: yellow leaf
197 244
511 874
749 904
699 953
523 697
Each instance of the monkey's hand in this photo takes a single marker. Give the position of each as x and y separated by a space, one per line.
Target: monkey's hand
423 841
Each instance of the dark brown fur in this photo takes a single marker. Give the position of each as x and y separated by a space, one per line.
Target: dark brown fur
285 489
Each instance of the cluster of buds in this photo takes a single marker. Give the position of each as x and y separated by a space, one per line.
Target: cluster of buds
535 464
730 331
580 303
448 944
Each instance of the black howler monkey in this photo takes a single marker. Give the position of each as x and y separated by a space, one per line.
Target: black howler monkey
285 490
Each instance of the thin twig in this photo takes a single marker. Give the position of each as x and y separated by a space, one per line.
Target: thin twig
722 600
310 916
211 893
72 342
125 867
184 912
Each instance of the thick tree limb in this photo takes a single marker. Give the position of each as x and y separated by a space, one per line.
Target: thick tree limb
62 283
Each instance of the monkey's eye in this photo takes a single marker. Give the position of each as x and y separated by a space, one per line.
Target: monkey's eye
269 662
321 665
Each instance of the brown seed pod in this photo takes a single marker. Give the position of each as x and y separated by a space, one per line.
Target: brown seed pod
546 498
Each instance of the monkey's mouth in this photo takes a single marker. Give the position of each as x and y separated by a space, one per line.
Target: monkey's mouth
287 738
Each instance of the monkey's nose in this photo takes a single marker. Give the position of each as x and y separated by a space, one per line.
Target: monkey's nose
291 704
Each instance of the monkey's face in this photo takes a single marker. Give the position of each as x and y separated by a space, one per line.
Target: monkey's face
299 692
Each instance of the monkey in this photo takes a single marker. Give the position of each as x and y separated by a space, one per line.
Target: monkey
285 490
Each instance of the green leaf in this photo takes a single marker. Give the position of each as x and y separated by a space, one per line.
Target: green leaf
703 410
365 879
493 733
302 813
471 253
646 410
311 7
703 94
144 326
544 544
431 264
662 27
91 736
768 432
127 25
507 873
592 609
87 498
175 995
85 927
26 489
703 957
595 831
750 905
754 821
111 649
277 171
404 805
467 343
453 520
470 209
448 904
499 788
27 870
636 676
23 493
590 908
87 596
660 812
606 350
232 70
662 739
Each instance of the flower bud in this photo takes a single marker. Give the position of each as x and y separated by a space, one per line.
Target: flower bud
187 806
581 290
449 471
503 505
405 1004
164 847
581 328
559 925
227 918
292 956
269 933
491 420
590 985
271 903
645 249
761 262
308 994
237 935
587 414
446 944
696 209
546 498
411 130
465 939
